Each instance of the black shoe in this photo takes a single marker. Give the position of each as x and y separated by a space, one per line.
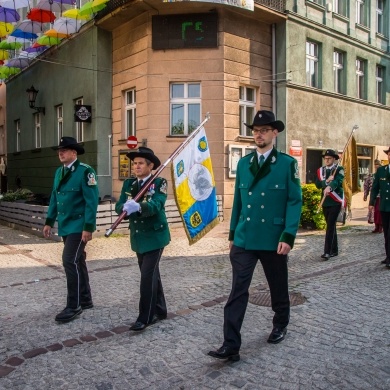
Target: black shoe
157 318
86 305
68 314
277 335
138 326
385 261
326 256
225 353
334 254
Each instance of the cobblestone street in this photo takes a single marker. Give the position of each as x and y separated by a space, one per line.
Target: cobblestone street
338 337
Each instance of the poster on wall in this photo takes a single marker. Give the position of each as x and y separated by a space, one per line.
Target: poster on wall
246 4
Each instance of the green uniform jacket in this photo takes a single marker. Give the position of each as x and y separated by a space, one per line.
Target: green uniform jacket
381 186
74 200
335 197
267 202
149 228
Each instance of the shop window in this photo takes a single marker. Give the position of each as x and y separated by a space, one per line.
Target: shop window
365 159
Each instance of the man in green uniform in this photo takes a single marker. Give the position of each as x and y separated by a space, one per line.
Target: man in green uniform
73 203
381 186
330 179
149 233
265 218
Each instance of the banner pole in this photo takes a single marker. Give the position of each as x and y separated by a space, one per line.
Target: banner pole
157 173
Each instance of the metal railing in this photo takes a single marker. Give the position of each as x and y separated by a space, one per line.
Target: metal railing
112 5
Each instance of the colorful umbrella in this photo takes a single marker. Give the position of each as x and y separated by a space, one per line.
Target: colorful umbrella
12 39
48 41
52 33
4 45
41 15
8 71
66 25
29 26
97 3
18 62
75 14
9 15
50 5
36 48
4 55
6 28
70 2
89 9
24 35
15 4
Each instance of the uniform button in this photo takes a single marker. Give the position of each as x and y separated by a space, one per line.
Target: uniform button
248 219
262 206
263 220
135 221
161 225
249 206
249 193
142 221
262 194
136 231
276 186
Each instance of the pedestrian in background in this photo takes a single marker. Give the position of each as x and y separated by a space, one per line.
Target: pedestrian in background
265 218
374 216
73 203
330 179
149 233
381 187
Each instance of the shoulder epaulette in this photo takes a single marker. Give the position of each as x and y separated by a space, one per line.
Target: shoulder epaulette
85 165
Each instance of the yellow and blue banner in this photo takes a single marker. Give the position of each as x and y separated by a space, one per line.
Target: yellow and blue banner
194 187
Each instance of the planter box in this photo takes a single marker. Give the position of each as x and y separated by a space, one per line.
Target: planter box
31 218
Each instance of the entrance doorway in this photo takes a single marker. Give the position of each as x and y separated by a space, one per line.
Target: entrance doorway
313 162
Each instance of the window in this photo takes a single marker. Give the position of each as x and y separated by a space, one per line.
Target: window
17 137
360 79
338 72
247 108
37 130
185 108
320 2
340 7
312 64
79 125
379 17
130 107
361 12
379 84
60 122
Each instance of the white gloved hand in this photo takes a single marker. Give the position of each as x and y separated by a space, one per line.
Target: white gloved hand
131 207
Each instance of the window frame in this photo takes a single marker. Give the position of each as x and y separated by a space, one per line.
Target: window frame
361 12
380 16
360 78
340 7
339 72
312 59
185 101
379 80
130 129
244 105
60 121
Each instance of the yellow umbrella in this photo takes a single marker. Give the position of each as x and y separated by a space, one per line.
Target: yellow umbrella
96 3
4 55
74 14
55 34
6 28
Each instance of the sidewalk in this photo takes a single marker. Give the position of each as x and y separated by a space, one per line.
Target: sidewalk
336 338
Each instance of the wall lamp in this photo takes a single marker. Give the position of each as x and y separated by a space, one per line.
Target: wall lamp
32 96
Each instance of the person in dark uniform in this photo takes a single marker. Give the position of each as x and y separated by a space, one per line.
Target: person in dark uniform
330 179
264 223
149 233
73 203
381 187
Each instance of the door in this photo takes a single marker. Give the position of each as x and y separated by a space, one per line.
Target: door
313 162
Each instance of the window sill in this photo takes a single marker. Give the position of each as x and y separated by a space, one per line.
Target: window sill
244 138
176 136
381 36
361 27
341 17
315 5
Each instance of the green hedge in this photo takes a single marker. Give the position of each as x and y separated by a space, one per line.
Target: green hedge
311 197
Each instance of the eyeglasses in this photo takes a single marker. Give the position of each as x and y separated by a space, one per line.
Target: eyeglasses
261 131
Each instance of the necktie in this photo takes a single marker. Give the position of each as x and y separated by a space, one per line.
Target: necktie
64 171
140 182
261 160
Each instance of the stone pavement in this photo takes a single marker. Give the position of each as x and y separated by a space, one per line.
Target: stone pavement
338 337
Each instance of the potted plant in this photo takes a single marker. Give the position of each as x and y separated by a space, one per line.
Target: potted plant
311 217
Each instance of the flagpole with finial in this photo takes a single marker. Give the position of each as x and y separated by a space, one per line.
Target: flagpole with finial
354 128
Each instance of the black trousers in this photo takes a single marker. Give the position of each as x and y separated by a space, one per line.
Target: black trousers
386 231
331 213
152 299
77 279
243 264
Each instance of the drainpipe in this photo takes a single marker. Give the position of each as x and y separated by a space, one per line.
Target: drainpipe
109 157
273 70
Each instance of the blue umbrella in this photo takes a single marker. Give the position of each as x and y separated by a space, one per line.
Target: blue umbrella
21 34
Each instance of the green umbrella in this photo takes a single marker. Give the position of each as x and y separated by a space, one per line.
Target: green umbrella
89 8
4 45
48 41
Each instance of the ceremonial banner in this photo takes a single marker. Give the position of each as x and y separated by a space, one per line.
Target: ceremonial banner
351 167
194 187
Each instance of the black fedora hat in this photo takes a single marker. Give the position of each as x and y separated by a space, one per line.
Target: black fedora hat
69 143
331 153
145 153
264 117
387 151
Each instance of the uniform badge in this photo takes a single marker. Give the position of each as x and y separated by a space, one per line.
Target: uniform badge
151 190
296 174
273 159
341 172
163 188
91 179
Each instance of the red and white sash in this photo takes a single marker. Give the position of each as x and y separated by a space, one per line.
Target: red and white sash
321 174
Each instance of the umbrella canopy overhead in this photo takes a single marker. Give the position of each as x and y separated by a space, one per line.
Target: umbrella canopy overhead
9 15
6 28
75 14
67 25
4 55
29 26
15 4
5 45
48 41
24 35
7 71
89 8
50 5
41 15
52 33
18 62
36 49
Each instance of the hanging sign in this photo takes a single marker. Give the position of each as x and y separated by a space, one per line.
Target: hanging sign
132 142
82 113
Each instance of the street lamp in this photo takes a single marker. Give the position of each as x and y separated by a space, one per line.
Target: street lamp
32 96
